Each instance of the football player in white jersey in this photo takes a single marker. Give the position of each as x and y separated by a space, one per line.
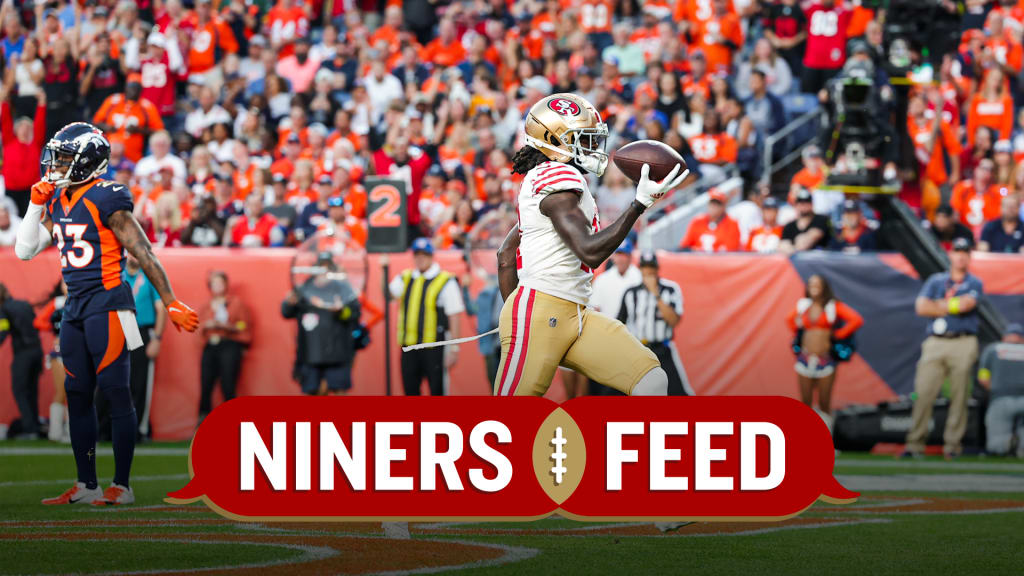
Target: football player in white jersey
545 265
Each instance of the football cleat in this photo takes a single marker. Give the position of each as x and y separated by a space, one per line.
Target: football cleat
115 495
77 494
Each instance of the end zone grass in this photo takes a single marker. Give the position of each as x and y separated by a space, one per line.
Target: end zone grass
919 517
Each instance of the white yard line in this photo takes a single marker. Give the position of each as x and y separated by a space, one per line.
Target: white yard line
910 464
933 482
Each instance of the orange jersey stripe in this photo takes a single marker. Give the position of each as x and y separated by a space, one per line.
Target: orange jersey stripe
111 250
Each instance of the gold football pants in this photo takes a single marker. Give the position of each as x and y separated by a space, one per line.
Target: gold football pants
540 332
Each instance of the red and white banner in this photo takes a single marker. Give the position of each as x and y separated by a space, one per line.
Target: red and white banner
482 458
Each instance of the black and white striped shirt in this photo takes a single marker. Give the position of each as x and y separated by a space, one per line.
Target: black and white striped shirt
639 311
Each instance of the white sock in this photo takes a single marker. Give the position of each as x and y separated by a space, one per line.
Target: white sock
654 383
56 422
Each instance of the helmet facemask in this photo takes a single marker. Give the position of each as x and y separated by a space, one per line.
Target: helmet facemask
588 148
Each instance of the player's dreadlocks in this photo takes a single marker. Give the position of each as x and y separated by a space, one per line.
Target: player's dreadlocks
526 158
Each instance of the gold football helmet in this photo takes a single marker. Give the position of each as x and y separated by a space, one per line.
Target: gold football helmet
565 127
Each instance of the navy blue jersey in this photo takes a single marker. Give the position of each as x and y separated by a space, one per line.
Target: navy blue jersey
91 257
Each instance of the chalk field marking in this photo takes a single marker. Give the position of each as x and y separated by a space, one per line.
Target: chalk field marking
309 553
511 554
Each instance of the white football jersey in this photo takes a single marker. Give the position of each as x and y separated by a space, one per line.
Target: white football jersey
544 261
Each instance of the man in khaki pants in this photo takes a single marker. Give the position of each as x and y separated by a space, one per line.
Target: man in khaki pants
950 301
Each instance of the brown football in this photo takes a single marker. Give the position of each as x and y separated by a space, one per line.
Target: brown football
662 158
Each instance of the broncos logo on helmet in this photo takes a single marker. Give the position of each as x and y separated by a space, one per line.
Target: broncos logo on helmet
76 154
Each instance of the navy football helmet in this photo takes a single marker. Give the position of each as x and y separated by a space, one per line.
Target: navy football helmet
76 154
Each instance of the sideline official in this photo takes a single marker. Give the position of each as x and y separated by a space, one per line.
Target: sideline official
16 321
651 310
949 300
429 305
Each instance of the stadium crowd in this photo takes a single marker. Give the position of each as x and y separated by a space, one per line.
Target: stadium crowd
256 122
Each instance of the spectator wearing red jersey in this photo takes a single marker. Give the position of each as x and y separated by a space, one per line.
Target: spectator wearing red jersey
408 164
827 24
286 23
713 231
254 228
129 118
23 141
160 68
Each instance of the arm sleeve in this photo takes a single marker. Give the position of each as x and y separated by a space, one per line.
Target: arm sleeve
289 310
852 321
32 237
677 301
556 177
622 308
986 358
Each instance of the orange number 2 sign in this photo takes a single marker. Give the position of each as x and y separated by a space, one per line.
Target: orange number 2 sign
386 215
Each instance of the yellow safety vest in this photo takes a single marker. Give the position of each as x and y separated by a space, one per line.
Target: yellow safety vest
417 311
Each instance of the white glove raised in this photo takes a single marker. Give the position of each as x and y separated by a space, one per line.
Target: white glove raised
649 191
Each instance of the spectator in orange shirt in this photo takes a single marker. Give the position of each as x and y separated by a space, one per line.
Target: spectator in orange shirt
1002 48
719 37
211 39
811 175
933 140
977 200
345 225
452 234
445 50
713 146
765 238
992 106
713 231
129 118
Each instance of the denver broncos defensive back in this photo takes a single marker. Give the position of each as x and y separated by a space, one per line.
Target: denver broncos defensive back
551 255
91 221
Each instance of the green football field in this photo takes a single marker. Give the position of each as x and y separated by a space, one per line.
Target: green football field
918 517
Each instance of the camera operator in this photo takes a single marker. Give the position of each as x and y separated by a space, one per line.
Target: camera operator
860 130
327 310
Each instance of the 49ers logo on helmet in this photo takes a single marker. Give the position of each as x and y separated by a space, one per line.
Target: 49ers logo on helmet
564 106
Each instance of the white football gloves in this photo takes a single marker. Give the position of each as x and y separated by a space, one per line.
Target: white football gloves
649 191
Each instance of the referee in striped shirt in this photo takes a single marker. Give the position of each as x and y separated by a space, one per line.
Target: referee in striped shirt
651 310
